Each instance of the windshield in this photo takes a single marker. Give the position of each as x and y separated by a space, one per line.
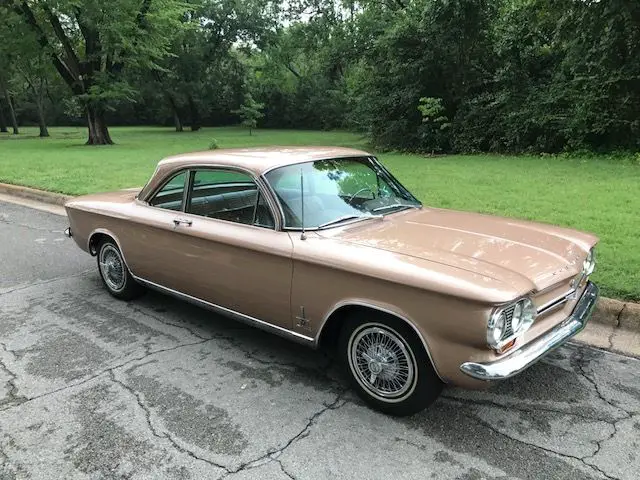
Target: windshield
337 191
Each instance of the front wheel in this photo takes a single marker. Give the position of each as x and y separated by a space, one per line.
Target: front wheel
115 273
387 364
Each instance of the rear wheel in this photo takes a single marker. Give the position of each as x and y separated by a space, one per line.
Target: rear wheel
115 273
387 364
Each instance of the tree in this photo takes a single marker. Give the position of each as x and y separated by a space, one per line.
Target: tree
91 44
3 121
250 112
9 102
7 68
203 55
36 78
25 66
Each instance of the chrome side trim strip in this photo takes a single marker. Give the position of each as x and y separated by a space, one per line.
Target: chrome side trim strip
556 302
380 309
241 317
531 352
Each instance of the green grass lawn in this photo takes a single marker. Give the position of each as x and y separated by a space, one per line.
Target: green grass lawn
596 194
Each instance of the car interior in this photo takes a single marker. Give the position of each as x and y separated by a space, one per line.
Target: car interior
237 202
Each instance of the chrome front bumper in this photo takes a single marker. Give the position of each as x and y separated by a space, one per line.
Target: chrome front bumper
515 362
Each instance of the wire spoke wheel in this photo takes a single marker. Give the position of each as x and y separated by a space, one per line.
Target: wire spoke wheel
382 362
112 268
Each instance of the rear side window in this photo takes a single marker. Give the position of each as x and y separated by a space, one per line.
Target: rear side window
171 196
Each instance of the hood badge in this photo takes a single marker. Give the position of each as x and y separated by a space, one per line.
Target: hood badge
563 269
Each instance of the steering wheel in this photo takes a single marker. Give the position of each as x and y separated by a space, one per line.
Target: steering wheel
365 189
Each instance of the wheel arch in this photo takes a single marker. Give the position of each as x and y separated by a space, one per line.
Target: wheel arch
330 328
99 234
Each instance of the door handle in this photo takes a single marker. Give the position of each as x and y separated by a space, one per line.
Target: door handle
182 221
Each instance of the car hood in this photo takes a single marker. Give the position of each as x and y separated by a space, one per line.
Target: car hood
490 246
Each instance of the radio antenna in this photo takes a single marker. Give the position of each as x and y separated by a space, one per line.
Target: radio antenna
302 235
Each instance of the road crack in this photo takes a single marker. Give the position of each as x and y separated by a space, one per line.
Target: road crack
43 282
106 371
156 433
598 443
273 454
582 363
270 456
164 322
624 306
13 399
544 449
524 409
30 227
284 470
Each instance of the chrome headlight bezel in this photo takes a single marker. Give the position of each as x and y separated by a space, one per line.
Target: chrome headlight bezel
510 321
588 267
589 264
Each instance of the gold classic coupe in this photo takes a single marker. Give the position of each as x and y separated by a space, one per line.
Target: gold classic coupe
324 246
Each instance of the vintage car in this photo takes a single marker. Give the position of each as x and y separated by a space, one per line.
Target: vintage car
325 247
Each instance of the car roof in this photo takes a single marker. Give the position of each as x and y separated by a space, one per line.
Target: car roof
259 159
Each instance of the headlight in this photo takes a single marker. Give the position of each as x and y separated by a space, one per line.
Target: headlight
589 264
510 321
496 329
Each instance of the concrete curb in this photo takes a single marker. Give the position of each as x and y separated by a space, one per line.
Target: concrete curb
609 312
33 194
617 313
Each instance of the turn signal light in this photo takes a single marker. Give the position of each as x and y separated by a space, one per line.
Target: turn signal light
507 346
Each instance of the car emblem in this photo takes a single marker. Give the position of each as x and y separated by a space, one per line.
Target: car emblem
303 321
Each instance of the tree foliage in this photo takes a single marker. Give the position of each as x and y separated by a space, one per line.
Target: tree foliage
250 112
423 75
91 44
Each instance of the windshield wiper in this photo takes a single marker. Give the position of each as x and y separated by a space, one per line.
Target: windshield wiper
396 205
344 218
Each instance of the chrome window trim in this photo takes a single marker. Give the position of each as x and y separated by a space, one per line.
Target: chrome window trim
359 303
373 159
168 178
379 164
209 166
274 197
306 160
247 319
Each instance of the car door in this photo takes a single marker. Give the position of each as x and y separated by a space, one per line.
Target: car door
221 246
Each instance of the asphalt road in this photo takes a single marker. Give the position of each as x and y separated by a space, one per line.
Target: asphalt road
91 387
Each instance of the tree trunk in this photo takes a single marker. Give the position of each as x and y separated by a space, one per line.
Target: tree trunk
195 115
12 112
177 122
3 121
98 131
42 122
176 114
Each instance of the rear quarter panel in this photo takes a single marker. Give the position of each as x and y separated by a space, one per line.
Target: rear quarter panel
99 212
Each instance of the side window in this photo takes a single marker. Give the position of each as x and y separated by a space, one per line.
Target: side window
171 195
227 195
263 217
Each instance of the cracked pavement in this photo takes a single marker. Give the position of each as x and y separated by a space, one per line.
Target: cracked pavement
92 387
